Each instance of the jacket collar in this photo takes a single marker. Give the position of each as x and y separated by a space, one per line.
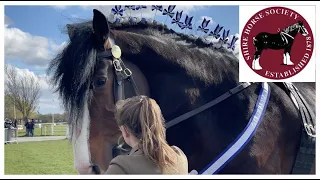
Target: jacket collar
136 151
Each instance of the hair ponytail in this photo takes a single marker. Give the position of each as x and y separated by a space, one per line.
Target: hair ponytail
143 117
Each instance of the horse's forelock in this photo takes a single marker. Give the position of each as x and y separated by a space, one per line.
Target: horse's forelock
73 86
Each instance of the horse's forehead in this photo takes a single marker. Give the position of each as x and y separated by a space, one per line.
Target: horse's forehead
104 64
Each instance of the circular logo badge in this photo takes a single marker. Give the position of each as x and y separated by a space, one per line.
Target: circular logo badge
277 43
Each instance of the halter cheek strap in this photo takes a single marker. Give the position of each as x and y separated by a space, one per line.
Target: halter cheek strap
122 73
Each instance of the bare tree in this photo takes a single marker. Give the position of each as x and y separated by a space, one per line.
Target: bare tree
22 90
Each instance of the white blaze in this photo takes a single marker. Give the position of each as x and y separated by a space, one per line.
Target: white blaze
81 145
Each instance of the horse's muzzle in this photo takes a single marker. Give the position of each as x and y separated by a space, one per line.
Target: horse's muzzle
95 169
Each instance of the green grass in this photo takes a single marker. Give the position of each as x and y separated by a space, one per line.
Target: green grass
36 158
58 130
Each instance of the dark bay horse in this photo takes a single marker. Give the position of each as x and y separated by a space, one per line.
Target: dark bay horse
282 40
181 74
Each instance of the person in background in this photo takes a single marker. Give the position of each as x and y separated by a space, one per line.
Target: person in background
15 123
143 128
31 126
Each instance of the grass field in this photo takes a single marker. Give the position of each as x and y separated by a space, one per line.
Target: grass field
36 158
58 130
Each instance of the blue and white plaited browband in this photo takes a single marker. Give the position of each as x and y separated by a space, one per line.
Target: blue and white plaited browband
244 137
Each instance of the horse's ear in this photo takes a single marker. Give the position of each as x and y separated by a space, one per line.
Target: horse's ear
70 30
100 26
300 23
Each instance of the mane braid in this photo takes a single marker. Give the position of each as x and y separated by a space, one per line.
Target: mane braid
163 28
286 30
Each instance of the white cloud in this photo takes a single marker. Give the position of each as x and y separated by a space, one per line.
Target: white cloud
49 101
60 6
88 7
32 50
58 48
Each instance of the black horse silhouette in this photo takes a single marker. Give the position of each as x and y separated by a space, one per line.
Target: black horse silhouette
282 40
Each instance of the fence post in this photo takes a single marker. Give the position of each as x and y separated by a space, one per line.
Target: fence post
51 129
45 130
5 135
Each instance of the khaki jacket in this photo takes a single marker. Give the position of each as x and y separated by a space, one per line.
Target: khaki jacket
137 163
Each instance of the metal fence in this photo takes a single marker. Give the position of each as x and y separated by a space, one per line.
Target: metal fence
51 129
10 135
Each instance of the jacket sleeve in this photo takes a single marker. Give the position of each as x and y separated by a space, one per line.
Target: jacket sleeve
117 166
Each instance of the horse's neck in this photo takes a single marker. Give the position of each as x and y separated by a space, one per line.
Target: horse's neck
292 31
173 80
179 93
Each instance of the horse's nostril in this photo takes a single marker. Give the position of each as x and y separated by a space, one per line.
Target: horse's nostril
96 169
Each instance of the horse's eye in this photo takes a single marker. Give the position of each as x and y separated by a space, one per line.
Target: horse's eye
100 82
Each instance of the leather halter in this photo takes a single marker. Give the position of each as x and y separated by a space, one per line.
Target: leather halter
122 74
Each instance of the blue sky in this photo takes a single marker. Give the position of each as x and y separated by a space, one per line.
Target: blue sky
33 35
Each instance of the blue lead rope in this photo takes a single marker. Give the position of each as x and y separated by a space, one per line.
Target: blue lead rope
244 137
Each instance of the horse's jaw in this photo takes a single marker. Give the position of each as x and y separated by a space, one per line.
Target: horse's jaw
104 134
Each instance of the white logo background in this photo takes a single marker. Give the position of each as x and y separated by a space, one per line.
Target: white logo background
308 74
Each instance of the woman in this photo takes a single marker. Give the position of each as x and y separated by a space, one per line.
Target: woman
142 126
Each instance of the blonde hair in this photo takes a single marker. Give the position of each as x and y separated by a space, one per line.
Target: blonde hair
143 117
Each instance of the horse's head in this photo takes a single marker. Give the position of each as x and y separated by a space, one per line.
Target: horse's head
302 29
86 75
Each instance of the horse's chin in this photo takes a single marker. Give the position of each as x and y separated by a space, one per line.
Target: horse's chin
304 34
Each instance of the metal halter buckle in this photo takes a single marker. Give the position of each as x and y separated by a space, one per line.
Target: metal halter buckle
127 72
117 66
120 145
